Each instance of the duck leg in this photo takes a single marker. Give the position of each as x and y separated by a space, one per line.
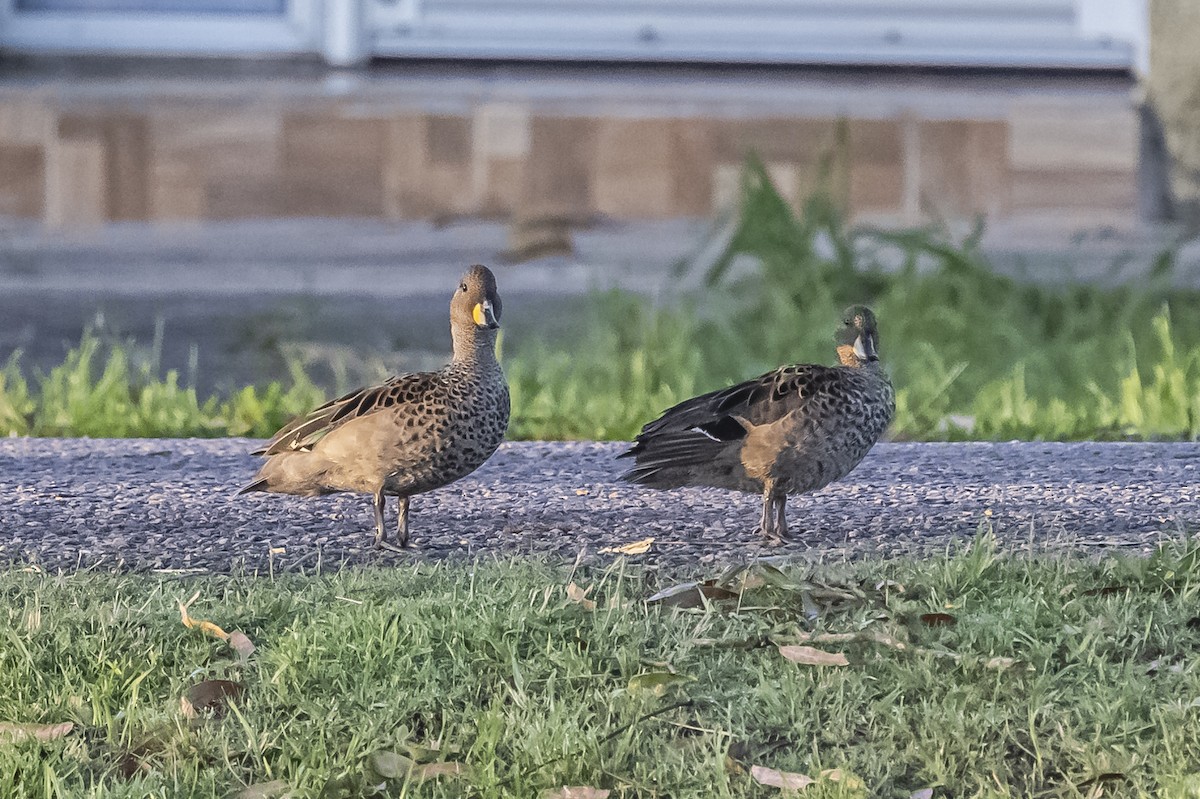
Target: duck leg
766 523
378 502
402 523
781 531
381 542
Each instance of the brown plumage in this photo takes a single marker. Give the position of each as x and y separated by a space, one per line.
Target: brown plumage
790 431
412 434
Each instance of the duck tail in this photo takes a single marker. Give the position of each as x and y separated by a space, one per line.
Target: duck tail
666 459
258 485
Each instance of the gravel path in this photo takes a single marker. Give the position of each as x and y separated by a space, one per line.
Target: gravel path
170 504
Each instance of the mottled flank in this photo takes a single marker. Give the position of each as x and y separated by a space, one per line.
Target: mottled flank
790 431
414 433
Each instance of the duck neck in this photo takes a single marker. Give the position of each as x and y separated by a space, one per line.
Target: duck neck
847 357
474 346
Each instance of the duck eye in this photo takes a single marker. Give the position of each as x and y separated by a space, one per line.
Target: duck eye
462 286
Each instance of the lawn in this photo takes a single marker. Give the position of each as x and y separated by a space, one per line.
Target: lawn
972 673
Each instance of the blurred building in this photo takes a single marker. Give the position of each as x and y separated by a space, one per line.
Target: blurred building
185 110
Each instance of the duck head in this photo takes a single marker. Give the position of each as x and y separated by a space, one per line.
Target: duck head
858 337
476 301
474 311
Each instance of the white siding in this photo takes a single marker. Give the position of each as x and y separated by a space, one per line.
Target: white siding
1033 33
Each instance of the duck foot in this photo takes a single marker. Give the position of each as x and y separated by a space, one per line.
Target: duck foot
772 537
383 545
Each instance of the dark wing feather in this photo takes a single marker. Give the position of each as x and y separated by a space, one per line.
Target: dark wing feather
762 400
303 432
700 432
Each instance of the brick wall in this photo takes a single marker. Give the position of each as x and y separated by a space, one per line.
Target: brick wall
71 162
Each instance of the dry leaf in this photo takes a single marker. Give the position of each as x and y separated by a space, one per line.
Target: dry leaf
239 642
786 780
634 548
1000 663
447 768
11 733
923 793
690 595
264 790
938 619
579 596
851 781
199 624
390 765
576 792
209 695
811 656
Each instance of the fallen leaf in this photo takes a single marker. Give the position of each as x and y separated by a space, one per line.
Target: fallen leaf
656 682
446 768
576 792
938 620
579 596
129 764
11 733
811 656
341 787
999 663
634 548
239 642
921 793
690 595
209 696
264 790
851 781
786 780
390 765
199 624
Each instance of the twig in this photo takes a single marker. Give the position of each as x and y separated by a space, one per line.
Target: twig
615 733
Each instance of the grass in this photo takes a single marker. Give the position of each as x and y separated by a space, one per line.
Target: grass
102 390
974 355
1041 677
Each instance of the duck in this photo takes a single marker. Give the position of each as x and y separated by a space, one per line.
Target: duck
413 433
790 431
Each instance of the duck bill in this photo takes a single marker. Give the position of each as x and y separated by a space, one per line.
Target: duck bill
864 348
485 315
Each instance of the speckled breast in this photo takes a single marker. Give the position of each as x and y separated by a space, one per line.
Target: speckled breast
830 444
470 432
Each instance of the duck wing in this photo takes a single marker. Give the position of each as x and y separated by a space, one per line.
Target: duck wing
303 432
702 429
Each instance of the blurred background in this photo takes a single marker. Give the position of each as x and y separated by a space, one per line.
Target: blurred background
279 194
